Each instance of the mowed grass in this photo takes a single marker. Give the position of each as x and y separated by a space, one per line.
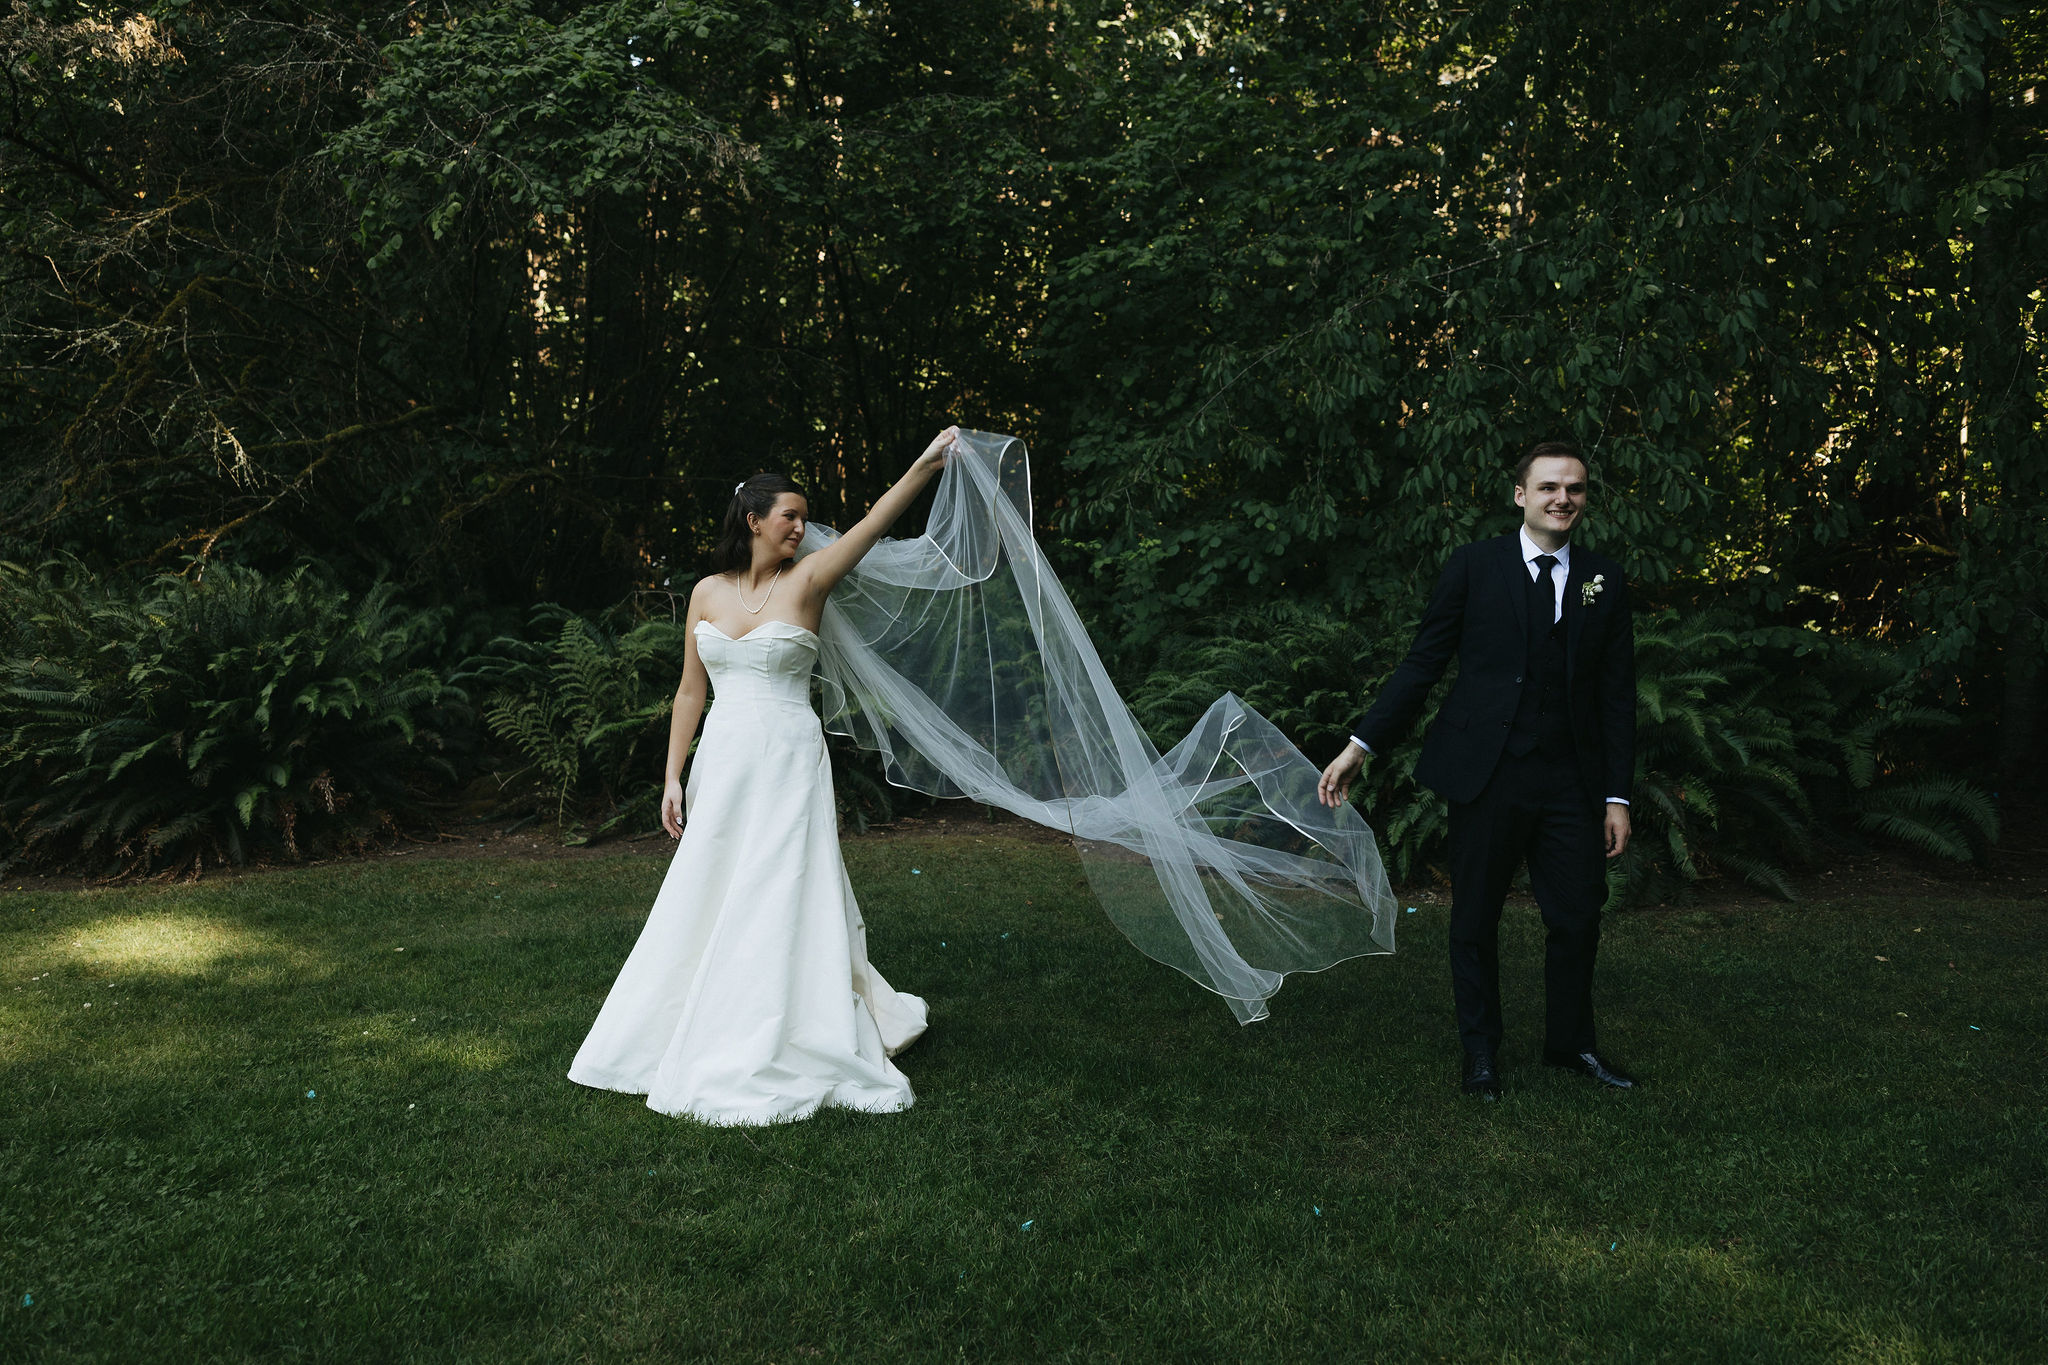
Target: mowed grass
1839 1155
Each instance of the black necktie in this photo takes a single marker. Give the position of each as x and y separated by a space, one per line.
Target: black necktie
1545 591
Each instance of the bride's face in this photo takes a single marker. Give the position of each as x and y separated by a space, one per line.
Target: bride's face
783 528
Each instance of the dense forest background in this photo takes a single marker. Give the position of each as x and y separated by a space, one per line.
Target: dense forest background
465 308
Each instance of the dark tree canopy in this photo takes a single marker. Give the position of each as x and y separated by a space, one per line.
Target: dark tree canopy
499 299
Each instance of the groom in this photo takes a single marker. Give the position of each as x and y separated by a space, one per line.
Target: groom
1534 749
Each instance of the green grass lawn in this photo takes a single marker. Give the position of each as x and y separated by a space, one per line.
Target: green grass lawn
275 1135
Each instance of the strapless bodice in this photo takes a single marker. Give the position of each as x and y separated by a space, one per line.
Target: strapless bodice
768 666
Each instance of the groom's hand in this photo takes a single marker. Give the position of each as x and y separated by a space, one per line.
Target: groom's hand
1617 829
1335 788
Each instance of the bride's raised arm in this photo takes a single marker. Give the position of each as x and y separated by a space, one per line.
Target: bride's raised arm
826 567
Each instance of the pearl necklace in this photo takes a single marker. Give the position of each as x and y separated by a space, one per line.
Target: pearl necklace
756 611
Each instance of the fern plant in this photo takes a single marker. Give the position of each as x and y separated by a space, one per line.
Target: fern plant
1937 814
1718 762
1752 744
586 707
182 722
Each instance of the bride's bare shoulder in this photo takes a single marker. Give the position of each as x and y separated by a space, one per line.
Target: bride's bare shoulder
703 593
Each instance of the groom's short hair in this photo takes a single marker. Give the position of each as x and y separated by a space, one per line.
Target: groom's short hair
1543 448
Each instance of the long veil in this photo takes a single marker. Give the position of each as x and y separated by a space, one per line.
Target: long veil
958 658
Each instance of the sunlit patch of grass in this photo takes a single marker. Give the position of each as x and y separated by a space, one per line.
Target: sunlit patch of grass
1587 1259
165 943
465 1051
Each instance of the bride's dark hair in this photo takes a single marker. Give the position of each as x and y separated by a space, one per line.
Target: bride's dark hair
757 496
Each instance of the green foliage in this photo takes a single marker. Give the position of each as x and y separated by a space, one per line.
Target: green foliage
196 368
1754 744
178 723
1938 814
525 114
502 299
1295 665
1718 759
587 708
682 242
1334 270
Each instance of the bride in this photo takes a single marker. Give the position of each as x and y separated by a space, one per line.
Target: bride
957 657
749 998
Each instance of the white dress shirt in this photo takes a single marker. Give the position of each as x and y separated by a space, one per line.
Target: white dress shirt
1558 575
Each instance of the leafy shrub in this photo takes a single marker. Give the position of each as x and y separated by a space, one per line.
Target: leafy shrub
587 707
1752 745
179 722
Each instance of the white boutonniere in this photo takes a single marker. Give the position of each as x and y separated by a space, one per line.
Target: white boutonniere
1589 591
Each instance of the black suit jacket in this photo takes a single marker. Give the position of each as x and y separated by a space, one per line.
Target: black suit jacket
1480 613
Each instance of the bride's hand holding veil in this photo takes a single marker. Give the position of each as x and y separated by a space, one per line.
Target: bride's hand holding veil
824 568
934 457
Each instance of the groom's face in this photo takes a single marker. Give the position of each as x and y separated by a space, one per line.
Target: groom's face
1552 495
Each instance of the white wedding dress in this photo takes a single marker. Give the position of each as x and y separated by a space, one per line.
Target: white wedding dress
749 998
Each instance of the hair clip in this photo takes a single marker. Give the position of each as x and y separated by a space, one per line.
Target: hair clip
738 486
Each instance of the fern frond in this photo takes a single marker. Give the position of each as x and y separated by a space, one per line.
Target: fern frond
1923 836
1761 873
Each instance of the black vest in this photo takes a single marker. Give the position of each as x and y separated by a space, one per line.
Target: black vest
1542 719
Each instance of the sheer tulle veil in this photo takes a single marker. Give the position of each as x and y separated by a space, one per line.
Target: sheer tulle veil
958 658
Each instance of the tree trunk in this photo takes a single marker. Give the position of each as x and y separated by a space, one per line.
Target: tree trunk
2019 721
2002 383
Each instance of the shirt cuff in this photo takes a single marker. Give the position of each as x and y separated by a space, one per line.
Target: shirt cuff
1361 743
1617 800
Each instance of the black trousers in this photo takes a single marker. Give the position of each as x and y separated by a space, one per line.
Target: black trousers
1534 809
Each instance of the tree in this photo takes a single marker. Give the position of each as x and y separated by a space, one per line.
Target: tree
1765 265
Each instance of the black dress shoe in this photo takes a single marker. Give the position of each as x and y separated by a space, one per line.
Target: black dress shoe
1592 1066
1482 1077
